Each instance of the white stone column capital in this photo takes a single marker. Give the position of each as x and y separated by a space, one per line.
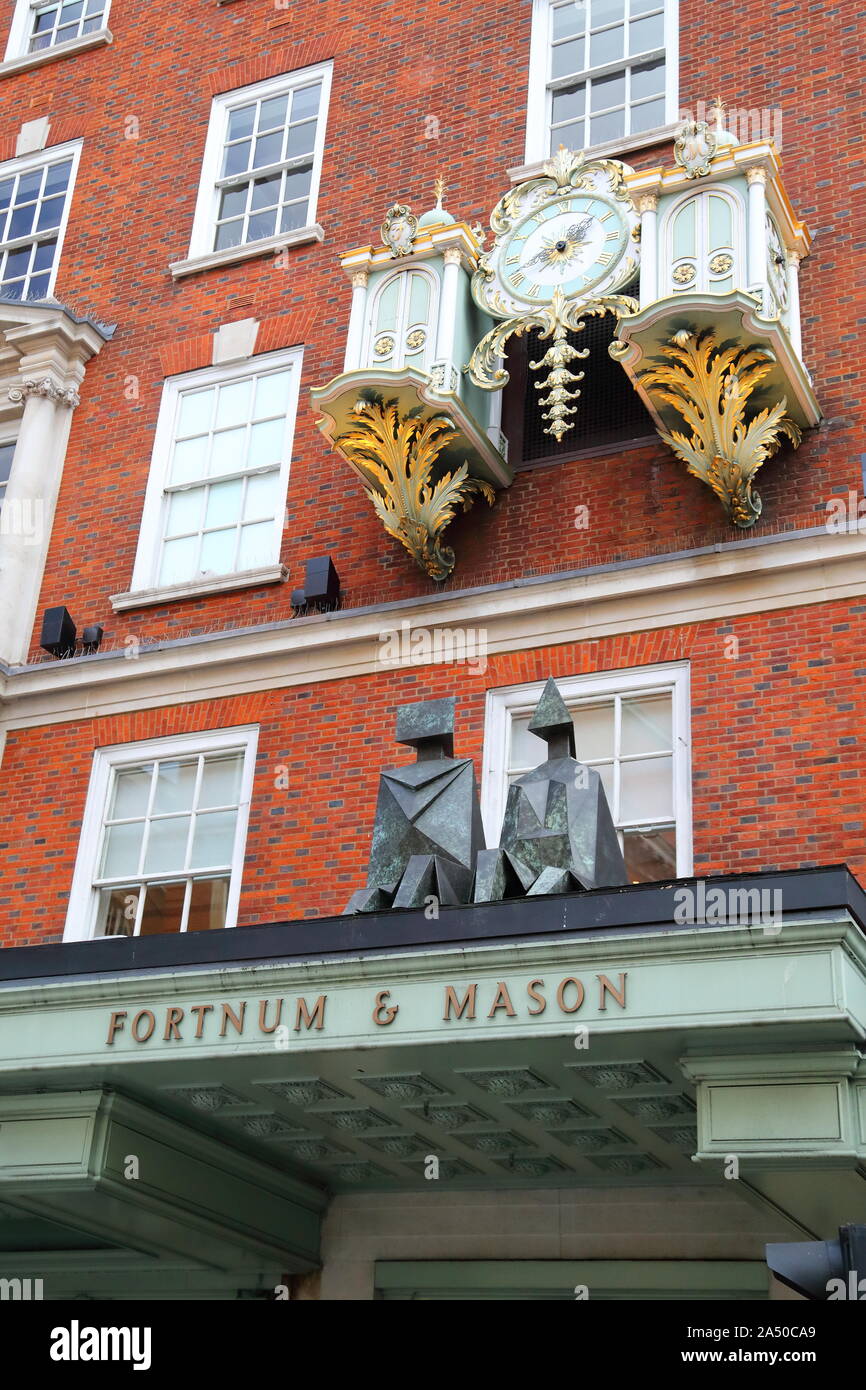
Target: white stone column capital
46 387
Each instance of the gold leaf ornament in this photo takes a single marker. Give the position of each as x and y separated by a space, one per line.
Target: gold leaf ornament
397 455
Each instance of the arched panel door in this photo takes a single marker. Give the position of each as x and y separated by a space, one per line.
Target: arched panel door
403 321
704 244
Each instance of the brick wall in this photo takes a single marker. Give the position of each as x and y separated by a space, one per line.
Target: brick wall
394 66
777 761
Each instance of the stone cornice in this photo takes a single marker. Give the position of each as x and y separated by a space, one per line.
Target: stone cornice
721 582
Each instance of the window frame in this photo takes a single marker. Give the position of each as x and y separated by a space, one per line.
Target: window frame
23 164
502 704
21 32
207 201
145 574
83 896
540 87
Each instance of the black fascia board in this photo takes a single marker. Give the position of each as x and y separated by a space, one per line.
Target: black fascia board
619 912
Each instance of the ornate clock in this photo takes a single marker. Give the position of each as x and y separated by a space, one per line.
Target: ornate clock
566 242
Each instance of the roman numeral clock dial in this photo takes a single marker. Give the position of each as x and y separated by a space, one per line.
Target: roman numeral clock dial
566 243
570 245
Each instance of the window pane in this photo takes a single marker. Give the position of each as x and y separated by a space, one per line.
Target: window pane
50 213
57 178
237 159
298 183
293 216
266 192
213 839
163 908
605 772
234 403
218 552
233 202
229 234
606 47
645 34
305 102
606 12
571 136
647 79
527 750
228 451
184 512
302 139
266 443
166 846
593 732
272 113
646 725
221 780
650 855
241 121
223 504
175 786
570 104
262 224
178 561
259 501
115 915
190 460
646 790
272 394
569 19
121 850
567 58
257 546
607 91
647 116
131 792
196 408
269 150
608 127
207 904
22 220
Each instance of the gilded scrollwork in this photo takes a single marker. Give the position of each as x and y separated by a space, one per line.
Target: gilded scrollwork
710 384
397 456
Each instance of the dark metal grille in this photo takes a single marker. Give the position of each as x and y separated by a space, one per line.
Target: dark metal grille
609 410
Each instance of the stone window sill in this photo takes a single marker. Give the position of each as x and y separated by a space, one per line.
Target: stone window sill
232 254
612 149
70 49
196 588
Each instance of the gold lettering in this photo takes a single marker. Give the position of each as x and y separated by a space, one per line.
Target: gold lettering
451 1002
201 1010
560 994
539 998
606 218
115 1025
237 1021
380 1007
264 1026
144 1013
512 260
608 988
517 279
502 1001
533 290
173 1017
302 1012
603 257
612 236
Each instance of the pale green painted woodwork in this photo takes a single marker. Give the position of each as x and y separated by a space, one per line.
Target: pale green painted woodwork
721 223
683 240
387 300
802 1114
604 1280
154 1183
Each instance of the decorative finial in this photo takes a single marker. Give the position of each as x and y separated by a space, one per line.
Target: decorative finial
718 111
439 191
552 722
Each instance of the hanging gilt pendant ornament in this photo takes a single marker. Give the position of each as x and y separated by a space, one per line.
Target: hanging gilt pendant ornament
396 456
566 243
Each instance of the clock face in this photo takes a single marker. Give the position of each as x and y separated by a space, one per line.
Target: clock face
571 243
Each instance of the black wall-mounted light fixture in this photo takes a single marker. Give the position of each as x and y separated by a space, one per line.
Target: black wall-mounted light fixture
58 634
321 591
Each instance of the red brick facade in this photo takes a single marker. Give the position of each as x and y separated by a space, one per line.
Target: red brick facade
777 752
